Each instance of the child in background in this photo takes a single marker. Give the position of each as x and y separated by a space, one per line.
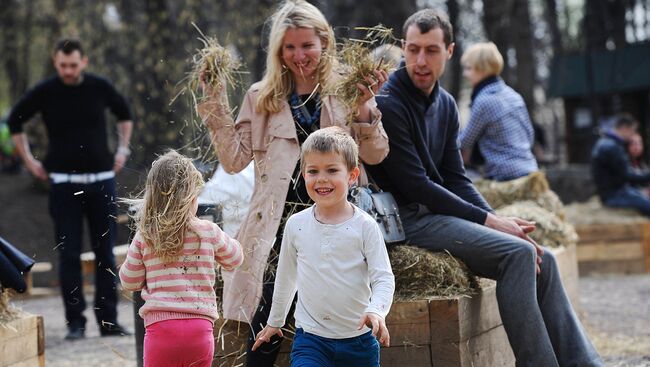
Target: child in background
173 259
333 255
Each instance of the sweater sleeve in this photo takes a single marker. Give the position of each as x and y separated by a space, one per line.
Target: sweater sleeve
26 107
371 137
382 280
132 271
453 170
228 252
117 103
285 280
232 141
407 174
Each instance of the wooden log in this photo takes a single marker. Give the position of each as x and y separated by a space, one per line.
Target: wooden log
611 232
567 263
22 342
614 248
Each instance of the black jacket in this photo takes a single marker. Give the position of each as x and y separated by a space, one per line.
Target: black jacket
611 168
424 164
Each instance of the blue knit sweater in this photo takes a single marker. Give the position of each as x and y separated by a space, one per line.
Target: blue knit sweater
424 164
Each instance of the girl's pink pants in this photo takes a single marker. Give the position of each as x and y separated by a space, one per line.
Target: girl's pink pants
179 343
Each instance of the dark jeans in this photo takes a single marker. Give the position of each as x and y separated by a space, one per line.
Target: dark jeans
69 204
629 197
542 328
311 350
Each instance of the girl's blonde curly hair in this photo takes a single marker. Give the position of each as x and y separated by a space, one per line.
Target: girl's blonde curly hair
166 208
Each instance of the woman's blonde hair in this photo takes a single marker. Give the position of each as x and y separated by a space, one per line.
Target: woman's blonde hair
278 82
164 213
484 57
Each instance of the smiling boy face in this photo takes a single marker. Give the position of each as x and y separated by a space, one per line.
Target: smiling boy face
328 178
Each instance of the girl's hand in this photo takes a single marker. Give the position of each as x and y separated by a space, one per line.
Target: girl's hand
375 82
378 325
265 335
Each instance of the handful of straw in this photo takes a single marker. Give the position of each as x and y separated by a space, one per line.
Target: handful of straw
214 65
356 62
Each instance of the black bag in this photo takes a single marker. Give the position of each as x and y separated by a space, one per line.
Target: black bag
13 264
382 206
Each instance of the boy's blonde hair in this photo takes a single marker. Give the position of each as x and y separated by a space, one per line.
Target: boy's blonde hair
484 57
278 82
331 139
173 183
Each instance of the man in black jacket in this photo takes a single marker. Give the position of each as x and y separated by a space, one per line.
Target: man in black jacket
81 171
442 211
612 170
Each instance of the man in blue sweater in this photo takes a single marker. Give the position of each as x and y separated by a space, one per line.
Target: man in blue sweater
442 211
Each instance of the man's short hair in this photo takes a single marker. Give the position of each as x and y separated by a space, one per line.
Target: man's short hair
484 57
68 46
624 120
333 139
428 19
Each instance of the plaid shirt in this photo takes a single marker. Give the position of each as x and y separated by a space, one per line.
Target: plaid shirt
500 124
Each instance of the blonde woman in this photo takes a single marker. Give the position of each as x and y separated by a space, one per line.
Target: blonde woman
173 259
499 123
276 116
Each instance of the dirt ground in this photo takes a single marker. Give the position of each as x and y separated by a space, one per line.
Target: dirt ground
615 309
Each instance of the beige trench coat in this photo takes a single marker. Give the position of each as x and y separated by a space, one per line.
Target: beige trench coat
271 141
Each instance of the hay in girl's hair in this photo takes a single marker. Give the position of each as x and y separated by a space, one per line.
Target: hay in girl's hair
356 61
550 231
424 274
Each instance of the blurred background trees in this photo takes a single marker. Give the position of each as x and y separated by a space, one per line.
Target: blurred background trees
145 46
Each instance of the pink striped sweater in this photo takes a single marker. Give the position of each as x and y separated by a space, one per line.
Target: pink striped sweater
183 288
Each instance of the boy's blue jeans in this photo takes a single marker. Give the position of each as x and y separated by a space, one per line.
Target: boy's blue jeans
311 350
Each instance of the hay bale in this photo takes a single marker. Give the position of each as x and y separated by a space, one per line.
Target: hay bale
423 274
551 231
533 187
7 311
593 212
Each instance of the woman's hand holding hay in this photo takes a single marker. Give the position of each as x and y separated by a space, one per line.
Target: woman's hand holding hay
374 84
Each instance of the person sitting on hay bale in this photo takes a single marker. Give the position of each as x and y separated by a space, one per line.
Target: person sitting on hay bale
442 211
612 171
499 124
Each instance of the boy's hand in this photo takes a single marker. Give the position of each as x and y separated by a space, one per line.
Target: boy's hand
265 335
378 325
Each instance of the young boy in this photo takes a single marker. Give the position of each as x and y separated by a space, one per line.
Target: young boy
334 255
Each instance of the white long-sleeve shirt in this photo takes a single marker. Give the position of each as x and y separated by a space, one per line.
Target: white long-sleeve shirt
340 272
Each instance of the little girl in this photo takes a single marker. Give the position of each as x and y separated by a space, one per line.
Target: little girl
173 260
